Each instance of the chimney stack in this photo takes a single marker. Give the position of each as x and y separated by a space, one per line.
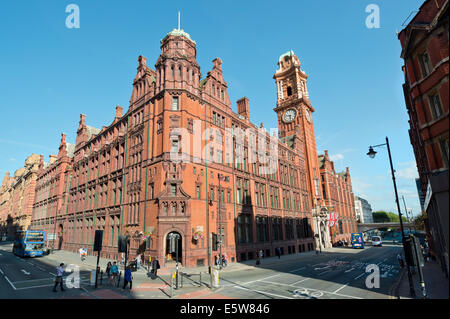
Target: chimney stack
119 111
243 107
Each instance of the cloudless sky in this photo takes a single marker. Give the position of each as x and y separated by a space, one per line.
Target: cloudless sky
49 74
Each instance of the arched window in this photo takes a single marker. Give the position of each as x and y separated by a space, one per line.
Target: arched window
289 91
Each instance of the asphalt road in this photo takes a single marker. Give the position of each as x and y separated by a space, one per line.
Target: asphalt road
340 274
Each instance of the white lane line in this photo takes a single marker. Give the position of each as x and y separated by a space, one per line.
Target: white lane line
52 274
340 288
323 273
295 270
263 292
360 275
10 283
297 282
25 272
350 269
322 291
250 282
1 271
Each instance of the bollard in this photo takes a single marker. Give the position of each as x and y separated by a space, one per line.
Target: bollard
200 278
118 281
101 277
181 280
171 286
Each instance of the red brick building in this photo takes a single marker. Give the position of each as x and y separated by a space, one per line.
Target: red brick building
337 193
425 51
17 197
52 186
180 160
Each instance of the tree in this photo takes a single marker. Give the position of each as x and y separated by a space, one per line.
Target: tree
382 216
420 220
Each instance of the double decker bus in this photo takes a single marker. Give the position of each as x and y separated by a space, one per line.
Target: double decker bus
29 243
357 240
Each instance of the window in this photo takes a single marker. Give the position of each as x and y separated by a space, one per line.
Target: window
289 91
435 104
173 189
175 103
198 192
174 148
425 64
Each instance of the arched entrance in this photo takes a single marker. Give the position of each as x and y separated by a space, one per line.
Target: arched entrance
60 236
171 252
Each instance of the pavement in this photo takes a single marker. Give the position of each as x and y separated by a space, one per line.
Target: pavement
436 283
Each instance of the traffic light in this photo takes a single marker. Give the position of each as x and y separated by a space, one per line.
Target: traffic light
214 242
98 240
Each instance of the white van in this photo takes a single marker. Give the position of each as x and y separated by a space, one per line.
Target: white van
376 241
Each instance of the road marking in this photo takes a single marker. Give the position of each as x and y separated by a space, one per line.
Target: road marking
295 270
263 292
350 269
323 273
1 271
360 275
10 283
297 282
249 282
340 288
25 272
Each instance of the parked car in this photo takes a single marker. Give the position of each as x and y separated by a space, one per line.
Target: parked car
376 241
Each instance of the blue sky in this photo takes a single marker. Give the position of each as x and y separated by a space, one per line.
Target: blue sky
50 74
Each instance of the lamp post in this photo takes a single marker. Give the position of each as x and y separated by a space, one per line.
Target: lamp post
406 210
371 154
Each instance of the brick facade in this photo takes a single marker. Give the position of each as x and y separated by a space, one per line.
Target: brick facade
425 49
155 169
337 193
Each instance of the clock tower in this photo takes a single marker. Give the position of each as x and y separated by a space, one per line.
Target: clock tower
295 111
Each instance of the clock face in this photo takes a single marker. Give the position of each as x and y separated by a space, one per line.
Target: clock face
289 115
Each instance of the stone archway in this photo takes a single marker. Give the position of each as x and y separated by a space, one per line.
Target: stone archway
172 256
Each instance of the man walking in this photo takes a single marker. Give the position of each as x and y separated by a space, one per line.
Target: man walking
114 272
58 279
127 278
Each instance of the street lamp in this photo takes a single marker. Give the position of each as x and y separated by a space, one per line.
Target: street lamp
371 154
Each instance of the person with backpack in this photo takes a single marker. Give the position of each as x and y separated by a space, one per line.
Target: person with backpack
127 278
114 273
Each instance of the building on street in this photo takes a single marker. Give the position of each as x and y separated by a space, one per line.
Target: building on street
181 161
425 49
17 198
363 210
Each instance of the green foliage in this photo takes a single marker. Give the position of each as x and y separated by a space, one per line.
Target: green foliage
386 217
419 221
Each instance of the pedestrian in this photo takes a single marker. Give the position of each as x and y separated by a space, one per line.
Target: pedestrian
278 252
114 273
108 271
224 260
261 253
127 278
58 279
138 261
155 267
